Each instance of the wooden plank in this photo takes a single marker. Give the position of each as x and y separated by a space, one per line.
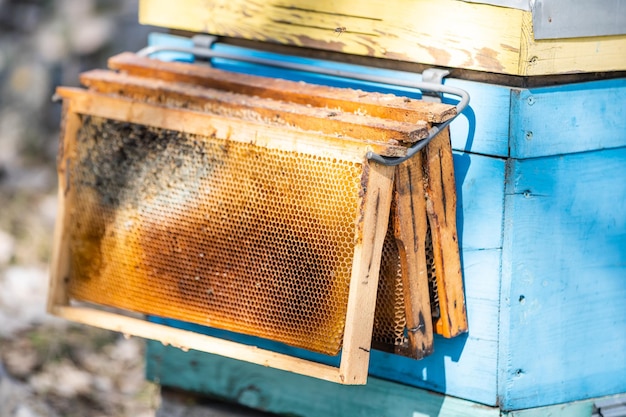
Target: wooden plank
59 273
385 106
562 56
567 119
373 218
290 394
429 32
426 32
563 279
441 209
285 138
574 409
253 108
185 340
410 229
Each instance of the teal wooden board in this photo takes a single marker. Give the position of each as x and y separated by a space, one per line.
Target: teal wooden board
567 119
564 280
575 409
296 395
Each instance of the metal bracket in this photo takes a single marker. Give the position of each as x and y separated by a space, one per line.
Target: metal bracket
433 76
425 87
203 41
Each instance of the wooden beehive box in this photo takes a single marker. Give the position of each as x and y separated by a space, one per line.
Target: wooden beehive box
542 195
248 204
466 35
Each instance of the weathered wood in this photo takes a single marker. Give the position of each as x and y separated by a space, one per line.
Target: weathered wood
189 121
355 101
566 119
59 273
285 393
372 224
410 229
441 209
429 32
185 340
426 31
560 56
254 109
564 279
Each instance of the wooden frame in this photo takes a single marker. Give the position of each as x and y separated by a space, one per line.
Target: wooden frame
273 114
374 206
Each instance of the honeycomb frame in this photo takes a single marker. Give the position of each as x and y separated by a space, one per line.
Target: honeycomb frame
373 197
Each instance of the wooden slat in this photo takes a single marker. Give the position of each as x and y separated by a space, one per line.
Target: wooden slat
189 121
441 208
252 108
185 340
373 218
354 101
59 272
410 228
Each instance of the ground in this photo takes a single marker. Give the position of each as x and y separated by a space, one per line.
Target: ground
49 367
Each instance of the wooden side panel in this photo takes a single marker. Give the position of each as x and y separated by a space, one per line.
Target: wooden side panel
429 32
564 279
566 119
290 394
562 56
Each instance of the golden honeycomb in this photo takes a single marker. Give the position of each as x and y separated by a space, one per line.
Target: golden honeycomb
220 233
389 333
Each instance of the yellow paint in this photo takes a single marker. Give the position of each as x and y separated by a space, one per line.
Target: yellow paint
444 32
447 33
559 56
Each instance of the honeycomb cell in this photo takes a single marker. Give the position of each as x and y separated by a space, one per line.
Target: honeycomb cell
232 235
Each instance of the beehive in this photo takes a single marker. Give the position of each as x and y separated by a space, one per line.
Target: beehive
228 202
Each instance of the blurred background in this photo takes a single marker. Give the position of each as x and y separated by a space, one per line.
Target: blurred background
50 367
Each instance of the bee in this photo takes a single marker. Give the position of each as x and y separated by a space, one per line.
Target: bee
340 30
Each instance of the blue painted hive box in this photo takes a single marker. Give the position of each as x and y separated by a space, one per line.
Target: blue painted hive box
541 186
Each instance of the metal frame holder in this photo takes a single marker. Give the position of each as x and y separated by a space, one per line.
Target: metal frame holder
434 88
